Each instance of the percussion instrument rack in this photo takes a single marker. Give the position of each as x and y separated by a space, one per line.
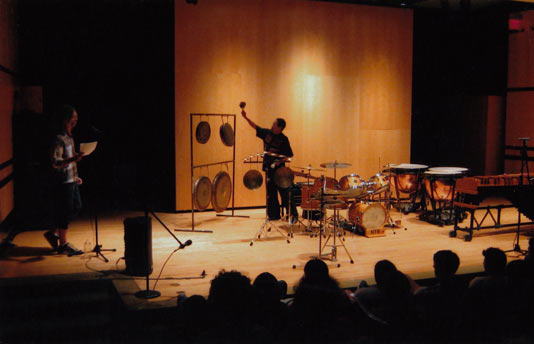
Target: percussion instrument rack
193 167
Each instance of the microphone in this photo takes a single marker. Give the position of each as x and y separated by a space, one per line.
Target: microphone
187 243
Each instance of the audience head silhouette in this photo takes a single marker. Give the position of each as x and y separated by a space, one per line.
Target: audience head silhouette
494 261
446 264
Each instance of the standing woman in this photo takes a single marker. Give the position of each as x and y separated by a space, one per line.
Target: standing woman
67 199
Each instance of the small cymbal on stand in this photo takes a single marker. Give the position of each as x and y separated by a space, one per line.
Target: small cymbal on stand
309 168
335 164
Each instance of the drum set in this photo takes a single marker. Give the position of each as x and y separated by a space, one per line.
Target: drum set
366 203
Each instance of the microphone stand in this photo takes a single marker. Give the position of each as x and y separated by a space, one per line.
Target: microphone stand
524 166
147 293
98 248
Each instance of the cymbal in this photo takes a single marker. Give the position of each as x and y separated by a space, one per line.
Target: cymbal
309 168
335 164
303 174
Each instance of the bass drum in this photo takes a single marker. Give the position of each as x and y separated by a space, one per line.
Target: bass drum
367 215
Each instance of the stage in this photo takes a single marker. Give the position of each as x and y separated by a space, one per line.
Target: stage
191 269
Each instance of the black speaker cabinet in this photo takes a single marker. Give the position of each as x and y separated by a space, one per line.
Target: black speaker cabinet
138 245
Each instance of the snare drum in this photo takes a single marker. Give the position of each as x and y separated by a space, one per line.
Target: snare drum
330 187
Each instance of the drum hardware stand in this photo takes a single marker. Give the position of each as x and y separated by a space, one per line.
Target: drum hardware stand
289 216
524 166
309 212
267 224
390 223
334 234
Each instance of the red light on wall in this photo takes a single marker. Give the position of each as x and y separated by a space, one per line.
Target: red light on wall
515 25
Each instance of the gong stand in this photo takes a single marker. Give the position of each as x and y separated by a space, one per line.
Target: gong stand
193 167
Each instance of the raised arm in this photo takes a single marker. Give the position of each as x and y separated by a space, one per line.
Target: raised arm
250 122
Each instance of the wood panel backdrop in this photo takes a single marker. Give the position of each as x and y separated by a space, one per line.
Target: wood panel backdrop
340 74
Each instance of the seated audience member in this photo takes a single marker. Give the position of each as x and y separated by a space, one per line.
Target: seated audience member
495 269
519 306
485 301
193 312
388 306
230 301
270 312
438 306
529 259
321 311
370 296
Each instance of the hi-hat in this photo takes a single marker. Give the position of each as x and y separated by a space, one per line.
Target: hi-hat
309 168
335 164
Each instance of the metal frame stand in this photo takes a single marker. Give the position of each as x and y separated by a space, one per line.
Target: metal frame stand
193 167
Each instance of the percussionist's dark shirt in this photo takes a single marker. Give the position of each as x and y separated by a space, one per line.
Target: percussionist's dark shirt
278 144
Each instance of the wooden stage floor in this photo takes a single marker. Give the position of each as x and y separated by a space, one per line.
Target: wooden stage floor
411 249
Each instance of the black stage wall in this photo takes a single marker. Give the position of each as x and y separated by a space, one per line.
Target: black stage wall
113 61
459 87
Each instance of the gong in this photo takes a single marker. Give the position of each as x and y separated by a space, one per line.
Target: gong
227 134
283 177
221 191
253 179
202 193
203 132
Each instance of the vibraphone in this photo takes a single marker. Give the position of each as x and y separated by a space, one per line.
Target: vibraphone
471 191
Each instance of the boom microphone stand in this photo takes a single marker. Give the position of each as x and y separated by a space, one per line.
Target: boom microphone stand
147 293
